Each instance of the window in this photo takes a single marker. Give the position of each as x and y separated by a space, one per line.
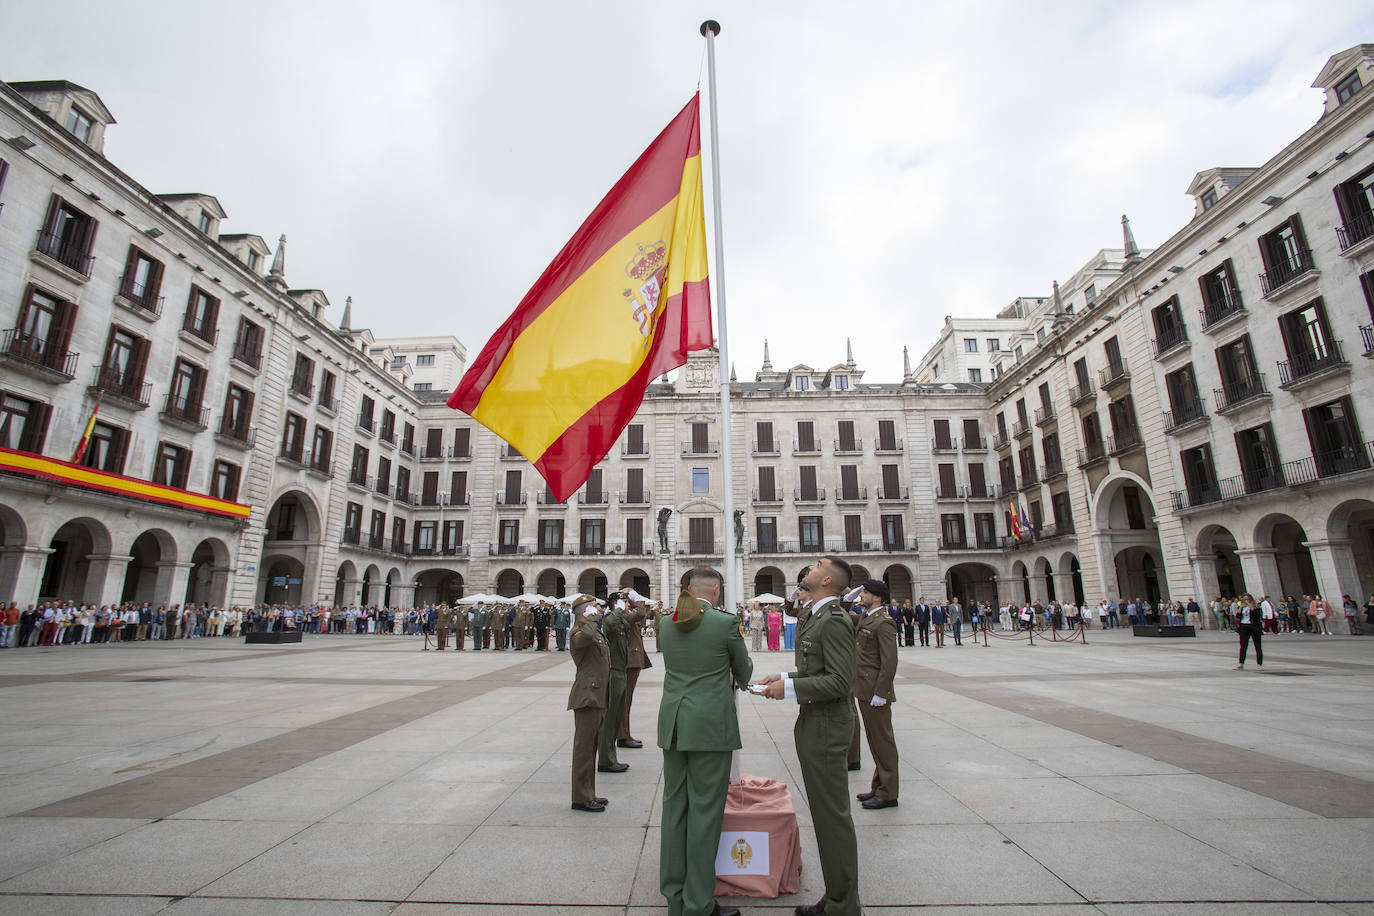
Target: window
1090 294
766 534
376 530
1347 88
977 480
701 535
701 480
943 442
142 280
513 493
1122 415
985 530
1049 447
849 482
970 345
1063 515
893 536
1355 199
812 533
172 466
1239 378
254 260
366 409
1199 475
975 376
947 487
4 172
801 383
1334 436
202 315
634 486
1026 458
424 386
357 472
1220 294
509 536
887 436
847 442
353 523
453 536
238 413
224 481
595 493
24 424
841 383
1285 254
408 438
934 370
768 486
403 483
424 359
1259 458
187 391
398 535
1209 198
322 449
593 538
1046 401
397 362
1183 395
248 343
1092 432
952 531
806 477
1006 472
458 488
426 534
107 448
1019 351
551 535
700 444
205 223
853 533
1022 415
303 376
462 442
1112 349
327 383
1039 335
429 488
67 236
293 437
1169 328
634 535
634 440
994 345
79 124
126 359
388 430
44 331
1307 339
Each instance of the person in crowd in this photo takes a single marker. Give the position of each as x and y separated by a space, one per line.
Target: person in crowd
774 629
1248 625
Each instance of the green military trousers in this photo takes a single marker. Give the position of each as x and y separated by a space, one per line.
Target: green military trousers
615 708
822 734
694 787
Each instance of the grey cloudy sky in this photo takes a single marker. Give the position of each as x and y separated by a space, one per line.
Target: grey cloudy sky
884 164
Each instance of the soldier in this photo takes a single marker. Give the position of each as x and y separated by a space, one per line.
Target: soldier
443 623
876 667
587 700
613 627
460 627
636 659
822 686
562 620
704 659
541 627
479 625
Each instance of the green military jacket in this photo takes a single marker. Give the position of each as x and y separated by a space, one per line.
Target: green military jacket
592 657
614 626
635 656
825 654
697 712
479 619
877 655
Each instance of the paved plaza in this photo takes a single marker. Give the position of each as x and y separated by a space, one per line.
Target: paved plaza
360 776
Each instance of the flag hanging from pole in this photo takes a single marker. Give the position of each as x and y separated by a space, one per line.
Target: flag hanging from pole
1014 520
622 303
1026 527
86 435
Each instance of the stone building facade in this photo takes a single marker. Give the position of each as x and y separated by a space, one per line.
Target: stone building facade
1092 416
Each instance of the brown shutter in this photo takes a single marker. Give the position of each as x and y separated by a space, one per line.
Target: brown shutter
50 220
211 320
138 365
196 396
126 282
60 337
150 294
36 429
434 442
119 450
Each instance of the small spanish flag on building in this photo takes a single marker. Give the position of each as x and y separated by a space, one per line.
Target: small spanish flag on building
1014 520
80 452
622 303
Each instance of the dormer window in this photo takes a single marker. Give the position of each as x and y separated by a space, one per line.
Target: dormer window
1208 198
841 383
254 260
205 222
1348 87
398 362
802 383
79 124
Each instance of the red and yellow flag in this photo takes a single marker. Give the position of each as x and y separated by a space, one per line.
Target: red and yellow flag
86 435
622 303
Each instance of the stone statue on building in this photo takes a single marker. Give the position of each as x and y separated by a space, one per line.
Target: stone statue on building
663 529
739 530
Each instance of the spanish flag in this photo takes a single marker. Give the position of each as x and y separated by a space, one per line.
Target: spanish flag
1014 520
80 452
622 303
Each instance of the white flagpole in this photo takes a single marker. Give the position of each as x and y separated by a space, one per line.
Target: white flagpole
709 30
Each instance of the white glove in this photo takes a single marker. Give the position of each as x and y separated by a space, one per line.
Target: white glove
793 596
620 604
853 594
877 701
634 595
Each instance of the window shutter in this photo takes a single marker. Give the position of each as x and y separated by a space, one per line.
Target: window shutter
64 323
211 319
150 294
36 429
126 283
138 365
246 416
50 221
196 396
119 450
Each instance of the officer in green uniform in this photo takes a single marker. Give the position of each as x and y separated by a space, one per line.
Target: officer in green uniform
704 656
587 700
479 625
822 685
614 626
442 624
562 621
636 660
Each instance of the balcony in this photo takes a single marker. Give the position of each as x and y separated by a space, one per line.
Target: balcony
1238 394
1262 480
701 548
366 423
69 255
949 493
239 437
122 387
1000 441
1218 313
303 388
376 541
1124 441
454 550
322 468
640 450
292 454
851 495
850 447
593 499
1190 415
408 447
1325 465
250 357
945 445
806 448
545 499
381 486
432 499
1306 367
1022 429
983 491
463 453
1356 231
1115 374
34 356
892 494
975 443
179 411
328 402
351 538
767 447
1094 454
887 446
700 449
512 499
399 546
1293 266
1082 394
198 334
387 436
632 498
460 500
952 544
1170 344
802 495
402 494
1029 479
1044 416
510 453
432 454
1053 470
357 477
1367 338
766 497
